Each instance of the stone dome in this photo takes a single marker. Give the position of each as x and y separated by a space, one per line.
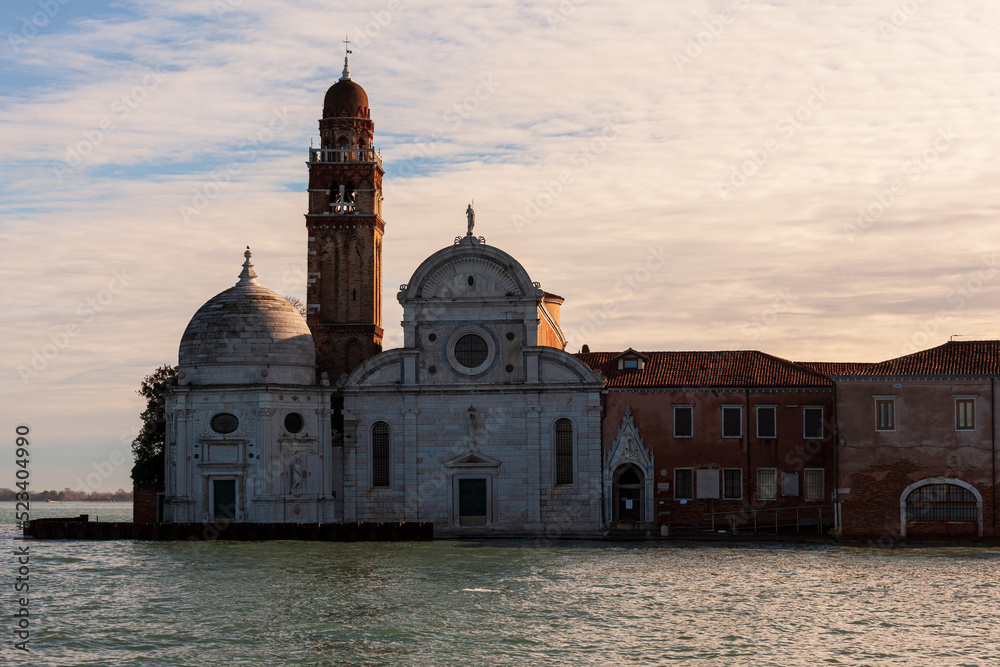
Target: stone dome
247 333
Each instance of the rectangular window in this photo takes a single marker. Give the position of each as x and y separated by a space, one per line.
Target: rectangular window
732 421
630 363
813 484
965 414
767 421
767 484
812 422
683 421
732 484
683 484
885 414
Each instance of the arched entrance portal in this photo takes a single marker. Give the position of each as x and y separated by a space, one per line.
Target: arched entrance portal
628 491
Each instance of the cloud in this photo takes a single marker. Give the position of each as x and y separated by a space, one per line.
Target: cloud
588 135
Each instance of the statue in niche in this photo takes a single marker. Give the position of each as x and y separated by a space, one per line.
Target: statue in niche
472 428
296 477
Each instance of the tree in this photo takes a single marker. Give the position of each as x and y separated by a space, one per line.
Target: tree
297 302
147 448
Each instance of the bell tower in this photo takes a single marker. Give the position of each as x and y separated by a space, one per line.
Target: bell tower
344 292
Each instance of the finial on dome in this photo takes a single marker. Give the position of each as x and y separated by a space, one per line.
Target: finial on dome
346 75
247 275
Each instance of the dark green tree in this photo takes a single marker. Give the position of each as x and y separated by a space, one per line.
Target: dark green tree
147 448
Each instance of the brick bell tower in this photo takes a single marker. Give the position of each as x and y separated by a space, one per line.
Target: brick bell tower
344 293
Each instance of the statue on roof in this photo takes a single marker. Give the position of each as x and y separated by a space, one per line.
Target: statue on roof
471 215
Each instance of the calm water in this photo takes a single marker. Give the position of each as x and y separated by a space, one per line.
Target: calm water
134 603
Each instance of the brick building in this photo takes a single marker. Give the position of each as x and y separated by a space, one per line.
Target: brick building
918 448
689 437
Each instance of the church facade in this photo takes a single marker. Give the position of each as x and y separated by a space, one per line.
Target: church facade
475 424
483 424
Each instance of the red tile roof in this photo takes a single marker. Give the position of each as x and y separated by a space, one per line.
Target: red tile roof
837 367
740 368
966 357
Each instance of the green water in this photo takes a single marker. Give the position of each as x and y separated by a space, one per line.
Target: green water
485 603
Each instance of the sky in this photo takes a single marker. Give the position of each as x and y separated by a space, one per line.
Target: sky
814 179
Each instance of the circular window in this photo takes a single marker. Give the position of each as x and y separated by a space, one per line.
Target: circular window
293 422
471 350
510 335
225 423
432 337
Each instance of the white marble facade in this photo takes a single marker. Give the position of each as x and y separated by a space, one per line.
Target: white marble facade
246 424
459 426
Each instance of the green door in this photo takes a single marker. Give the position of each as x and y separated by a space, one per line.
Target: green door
224 499
472 502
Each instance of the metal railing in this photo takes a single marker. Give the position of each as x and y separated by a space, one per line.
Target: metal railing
776 519
355 155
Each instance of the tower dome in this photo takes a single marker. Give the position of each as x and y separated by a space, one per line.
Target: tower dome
346 99
247 334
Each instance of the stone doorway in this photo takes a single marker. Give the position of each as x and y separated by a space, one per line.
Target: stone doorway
628 495
472 502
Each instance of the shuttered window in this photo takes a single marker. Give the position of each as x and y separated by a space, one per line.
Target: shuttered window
965 414
885 419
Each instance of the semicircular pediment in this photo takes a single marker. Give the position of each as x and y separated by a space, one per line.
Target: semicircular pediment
452 279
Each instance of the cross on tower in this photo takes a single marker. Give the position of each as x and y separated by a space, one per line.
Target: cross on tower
347 43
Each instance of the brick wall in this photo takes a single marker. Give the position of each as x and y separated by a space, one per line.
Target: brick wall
144 503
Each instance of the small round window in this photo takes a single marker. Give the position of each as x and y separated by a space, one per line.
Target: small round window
471 351
225 423
293 422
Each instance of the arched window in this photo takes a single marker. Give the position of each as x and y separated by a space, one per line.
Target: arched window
564 451
380 454
941 502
